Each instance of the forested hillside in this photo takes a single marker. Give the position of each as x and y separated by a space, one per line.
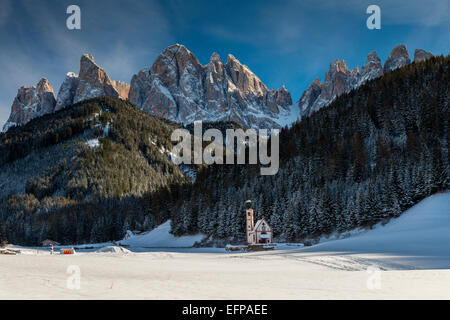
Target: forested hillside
92 171
78 174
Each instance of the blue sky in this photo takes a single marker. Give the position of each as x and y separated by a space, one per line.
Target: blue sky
288 42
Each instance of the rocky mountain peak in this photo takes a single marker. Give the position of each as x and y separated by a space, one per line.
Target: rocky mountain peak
179 88
339 79
215 65
310 96
421 55
338 66
317 82
31 102
87 58
244 79
93 81
122 88
67 91
398 57
372 68
215 58
44 86
231 60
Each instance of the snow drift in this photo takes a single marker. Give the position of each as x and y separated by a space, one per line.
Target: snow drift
113 249
419 237
161 238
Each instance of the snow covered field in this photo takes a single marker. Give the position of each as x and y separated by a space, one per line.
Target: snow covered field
407 259
160 237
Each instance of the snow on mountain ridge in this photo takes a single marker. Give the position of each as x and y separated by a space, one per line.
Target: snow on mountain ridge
179 88
31 102
340 80
92 81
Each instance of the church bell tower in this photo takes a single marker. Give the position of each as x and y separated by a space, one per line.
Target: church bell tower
250 224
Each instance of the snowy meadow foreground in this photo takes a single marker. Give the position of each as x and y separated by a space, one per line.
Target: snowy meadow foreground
409 258
177 275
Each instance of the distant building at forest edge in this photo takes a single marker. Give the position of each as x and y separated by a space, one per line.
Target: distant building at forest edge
259 233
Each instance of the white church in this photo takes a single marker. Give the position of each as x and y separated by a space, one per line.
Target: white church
257 234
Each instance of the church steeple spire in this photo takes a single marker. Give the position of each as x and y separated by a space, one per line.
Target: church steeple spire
250 224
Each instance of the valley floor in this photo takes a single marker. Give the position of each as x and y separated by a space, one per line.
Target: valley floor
284 274
409 258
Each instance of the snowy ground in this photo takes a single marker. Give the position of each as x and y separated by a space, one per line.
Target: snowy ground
161 238
407 259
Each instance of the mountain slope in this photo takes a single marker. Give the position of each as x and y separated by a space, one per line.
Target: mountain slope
81 161
418 238
89 172
365 158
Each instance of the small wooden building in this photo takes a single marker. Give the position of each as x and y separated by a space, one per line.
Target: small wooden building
262 232
259 233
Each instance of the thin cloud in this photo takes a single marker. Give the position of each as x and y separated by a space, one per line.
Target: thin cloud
5 11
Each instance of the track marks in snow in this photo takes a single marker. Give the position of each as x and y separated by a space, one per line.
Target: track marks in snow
337 261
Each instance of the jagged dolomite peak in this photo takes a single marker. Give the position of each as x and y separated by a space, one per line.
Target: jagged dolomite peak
421 55
179 88
93 81
31 102
372 68
398 57
67 91
309 97
340 79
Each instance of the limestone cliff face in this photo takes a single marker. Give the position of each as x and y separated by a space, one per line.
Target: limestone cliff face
31 102
93 81
179 88
398 57
67 91
338 80
309 97
372 68
122 88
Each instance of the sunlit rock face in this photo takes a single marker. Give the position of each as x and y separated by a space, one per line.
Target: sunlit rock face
31 102
179 88
338 80
93 81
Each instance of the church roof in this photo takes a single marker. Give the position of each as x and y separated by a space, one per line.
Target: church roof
259 223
